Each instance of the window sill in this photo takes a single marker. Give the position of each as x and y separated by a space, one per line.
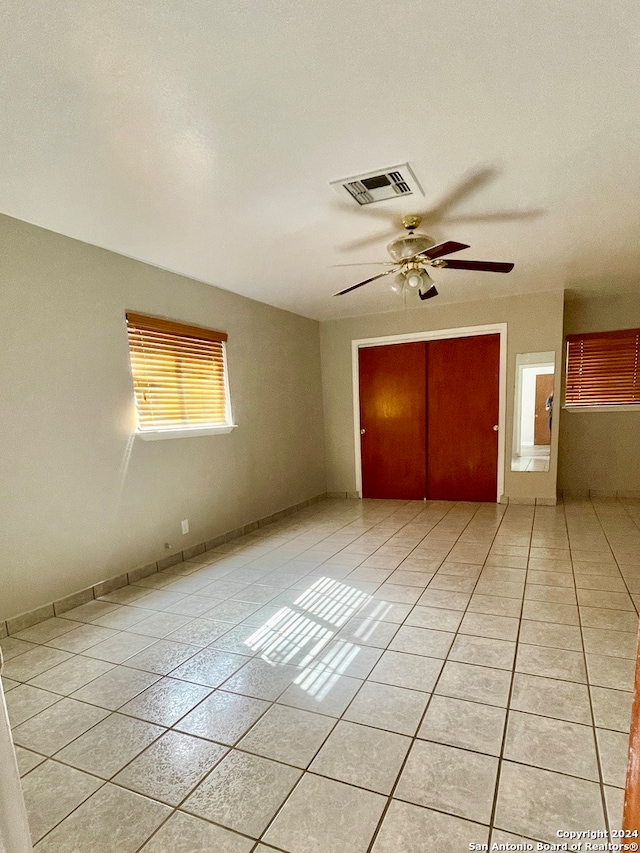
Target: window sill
631 407
184 432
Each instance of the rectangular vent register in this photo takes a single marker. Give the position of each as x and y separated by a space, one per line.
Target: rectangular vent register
380 185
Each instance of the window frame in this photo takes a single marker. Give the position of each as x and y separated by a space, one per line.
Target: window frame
158 433
600 406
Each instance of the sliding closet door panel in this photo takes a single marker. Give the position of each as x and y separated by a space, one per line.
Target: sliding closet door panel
393 418
462 411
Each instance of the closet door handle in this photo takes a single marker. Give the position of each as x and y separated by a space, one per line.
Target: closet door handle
495 428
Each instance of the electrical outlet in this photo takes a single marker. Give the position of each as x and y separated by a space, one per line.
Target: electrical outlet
185 526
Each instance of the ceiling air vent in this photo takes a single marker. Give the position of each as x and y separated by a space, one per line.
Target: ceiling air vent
380 185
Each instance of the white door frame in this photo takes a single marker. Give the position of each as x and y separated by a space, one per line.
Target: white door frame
435 335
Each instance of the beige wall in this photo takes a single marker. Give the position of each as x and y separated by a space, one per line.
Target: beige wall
600 450
81 499
534 325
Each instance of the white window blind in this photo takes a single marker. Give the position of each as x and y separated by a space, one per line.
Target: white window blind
179 374
603 368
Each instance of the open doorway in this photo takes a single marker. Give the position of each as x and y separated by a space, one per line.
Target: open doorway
533 413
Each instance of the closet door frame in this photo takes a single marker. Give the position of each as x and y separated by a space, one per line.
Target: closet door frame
434 335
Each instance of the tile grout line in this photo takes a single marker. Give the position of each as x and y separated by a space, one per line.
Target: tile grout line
273 702
105 782
494 803
213 689
304 769
624 580
233 535
341 718
414 738
591 711
597 744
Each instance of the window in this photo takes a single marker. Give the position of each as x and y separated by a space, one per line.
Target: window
602 369
179 377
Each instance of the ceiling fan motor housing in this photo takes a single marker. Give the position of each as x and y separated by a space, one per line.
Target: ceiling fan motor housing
407 247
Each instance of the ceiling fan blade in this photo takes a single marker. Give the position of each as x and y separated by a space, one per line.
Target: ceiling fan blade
360 283
447 248
368 241
495 216
366 209
367 264
470 184
429 293
486 266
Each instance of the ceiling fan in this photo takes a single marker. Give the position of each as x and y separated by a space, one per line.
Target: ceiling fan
414 252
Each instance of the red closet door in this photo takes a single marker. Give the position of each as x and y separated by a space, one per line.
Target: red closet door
393 420
462 411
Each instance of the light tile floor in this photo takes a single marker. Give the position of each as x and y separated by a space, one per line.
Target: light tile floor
532 458
383 676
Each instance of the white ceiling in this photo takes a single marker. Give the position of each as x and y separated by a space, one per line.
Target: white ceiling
201 137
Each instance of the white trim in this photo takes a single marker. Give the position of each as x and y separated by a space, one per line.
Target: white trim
184 432
227 390
435 335
523 360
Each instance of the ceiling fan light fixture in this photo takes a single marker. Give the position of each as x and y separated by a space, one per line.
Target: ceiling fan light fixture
397 285
414 278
